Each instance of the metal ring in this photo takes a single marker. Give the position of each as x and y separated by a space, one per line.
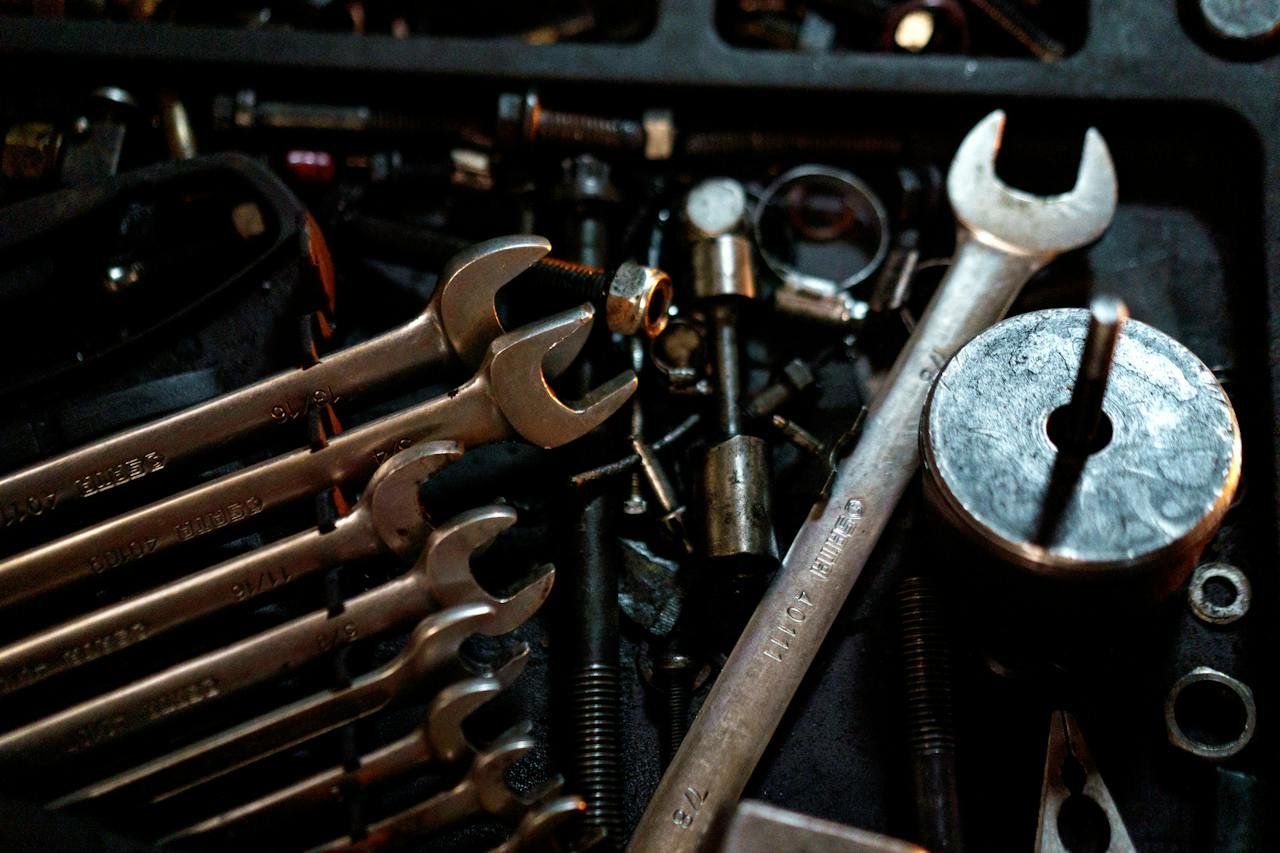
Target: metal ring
861 200
1219 614
1213 751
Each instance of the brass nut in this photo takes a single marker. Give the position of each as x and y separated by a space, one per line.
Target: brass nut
638 300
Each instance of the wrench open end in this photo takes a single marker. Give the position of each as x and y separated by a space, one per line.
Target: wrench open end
396 512
1022 222
470 283
437 639
450 708
446 568
520 384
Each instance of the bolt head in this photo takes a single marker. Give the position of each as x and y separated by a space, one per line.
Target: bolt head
797 374
638 300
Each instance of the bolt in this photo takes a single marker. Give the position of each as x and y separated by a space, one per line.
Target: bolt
795 377
799 436
674 671
522 119
926 660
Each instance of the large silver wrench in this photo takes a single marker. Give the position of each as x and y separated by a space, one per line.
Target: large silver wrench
433 644
456 326
439 740
507 398
442 578
1003 237
482 791
388 517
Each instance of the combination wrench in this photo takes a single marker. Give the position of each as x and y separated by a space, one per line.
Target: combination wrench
388 517
441 578
439 740
507 398
457 325
431 645
483 790
1003 237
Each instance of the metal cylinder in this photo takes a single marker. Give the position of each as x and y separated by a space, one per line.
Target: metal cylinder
1134 513
726 357
714 207
735 481
722 267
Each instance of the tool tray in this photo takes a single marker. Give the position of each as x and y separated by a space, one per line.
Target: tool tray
1194 250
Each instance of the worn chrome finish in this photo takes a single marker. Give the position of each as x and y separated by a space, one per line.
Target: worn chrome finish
388 517
482 791
1203 605
507 398
1139 510
1212 750
722 267
737 504
1004 236
442 578
458 324
440 740
758 827
1073 790
433 643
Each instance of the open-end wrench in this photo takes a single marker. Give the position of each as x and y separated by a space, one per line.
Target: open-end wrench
483 790
438 741
536 830
433 643
388 517
442 577
458 324
507 398
1003 237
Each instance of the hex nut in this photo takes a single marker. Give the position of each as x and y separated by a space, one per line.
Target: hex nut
659 134
638 300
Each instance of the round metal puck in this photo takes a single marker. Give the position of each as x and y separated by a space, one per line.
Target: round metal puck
1138 504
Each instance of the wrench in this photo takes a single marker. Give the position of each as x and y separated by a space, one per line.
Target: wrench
439 740
456 326
537 828
482 791
507 398
441 578
1003 236
433 643
388 517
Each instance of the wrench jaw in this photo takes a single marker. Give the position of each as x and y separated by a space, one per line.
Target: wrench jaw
437 639
541 823
445 568
398 516
1029 224
469 285
519 383
450 708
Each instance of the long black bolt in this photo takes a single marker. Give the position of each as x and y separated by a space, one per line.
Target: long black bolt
674 673
926 661
522 118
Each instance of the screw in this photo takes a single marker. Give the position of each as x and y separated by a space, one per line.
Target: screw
1009 17
675 670
521 118
926 660
795 377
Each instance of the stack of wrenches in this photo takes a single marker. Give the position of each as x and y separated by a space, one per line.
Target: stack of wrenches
388 460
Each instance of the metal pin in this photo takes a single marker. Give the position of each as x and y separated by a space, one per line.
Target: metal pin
1107 315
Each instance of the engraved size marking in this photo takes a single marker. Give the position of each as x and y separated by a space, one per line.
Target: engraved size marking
102 731
695 799
99 646
135 549
259 583
340 635
937 361
382 455
17 512
218 519
120 473
317 399
787 626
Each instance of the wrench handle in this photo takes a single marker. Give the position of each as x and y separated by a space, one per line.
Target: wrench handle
111 465
147 616
467 415
179 689
752 692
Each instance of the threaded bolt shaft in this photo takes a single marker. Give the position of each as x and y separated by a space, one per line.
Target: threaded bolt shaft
588 131
926 661
677 715
595 700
